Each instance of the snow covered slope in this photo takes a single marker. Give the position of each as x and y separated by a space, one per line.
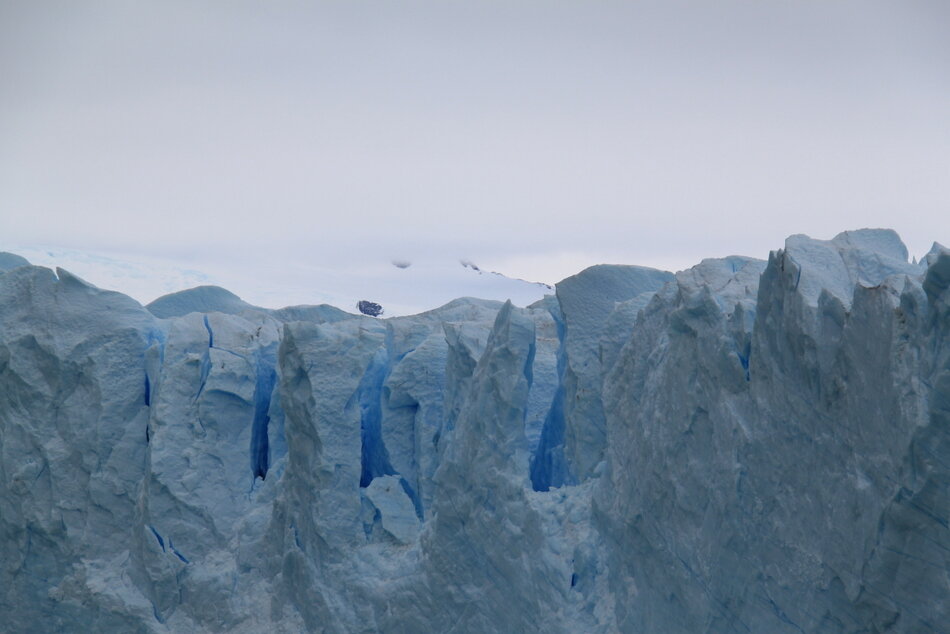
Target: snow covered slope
754 446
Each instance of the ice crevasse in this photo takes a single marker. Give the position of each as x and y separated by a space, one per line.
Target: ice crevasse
744 446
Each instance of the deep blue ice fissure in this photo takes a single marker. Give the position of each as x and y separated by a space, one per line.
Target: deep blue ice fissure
549 468
260 443
374 458
161 542
207 324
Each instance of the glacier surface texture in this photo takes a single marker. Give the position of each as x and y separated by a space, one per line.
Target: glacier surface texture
746 446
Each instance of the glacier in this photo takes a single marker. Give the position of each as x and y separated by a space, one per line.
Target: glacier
745 446
278 279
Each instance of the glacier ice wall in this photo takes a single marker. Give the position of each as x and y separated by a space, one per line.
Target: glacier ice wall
752 446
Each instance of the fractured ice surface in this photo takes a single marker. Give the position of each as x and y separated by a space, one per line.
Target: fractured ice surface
752 446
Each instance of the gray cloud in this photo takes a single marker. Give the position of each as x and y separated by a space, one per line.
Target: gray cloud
648 132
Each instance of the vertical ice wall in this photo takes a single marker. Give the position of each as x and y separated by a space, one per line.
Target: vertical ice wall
800 486
749 446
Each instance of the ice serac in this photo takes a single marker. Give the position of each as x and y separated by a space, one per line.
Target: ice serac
749 445
483 486
72 452
788 490
585 302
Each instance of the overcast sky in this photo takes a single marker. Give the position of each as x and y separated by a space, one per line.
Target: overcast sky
531 137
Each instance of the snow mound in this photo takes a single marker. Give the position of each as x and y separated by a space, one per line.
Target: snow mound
201 299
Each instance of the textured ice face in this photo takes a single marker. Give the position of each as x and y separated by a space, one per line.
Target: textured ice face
778 473
746 445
